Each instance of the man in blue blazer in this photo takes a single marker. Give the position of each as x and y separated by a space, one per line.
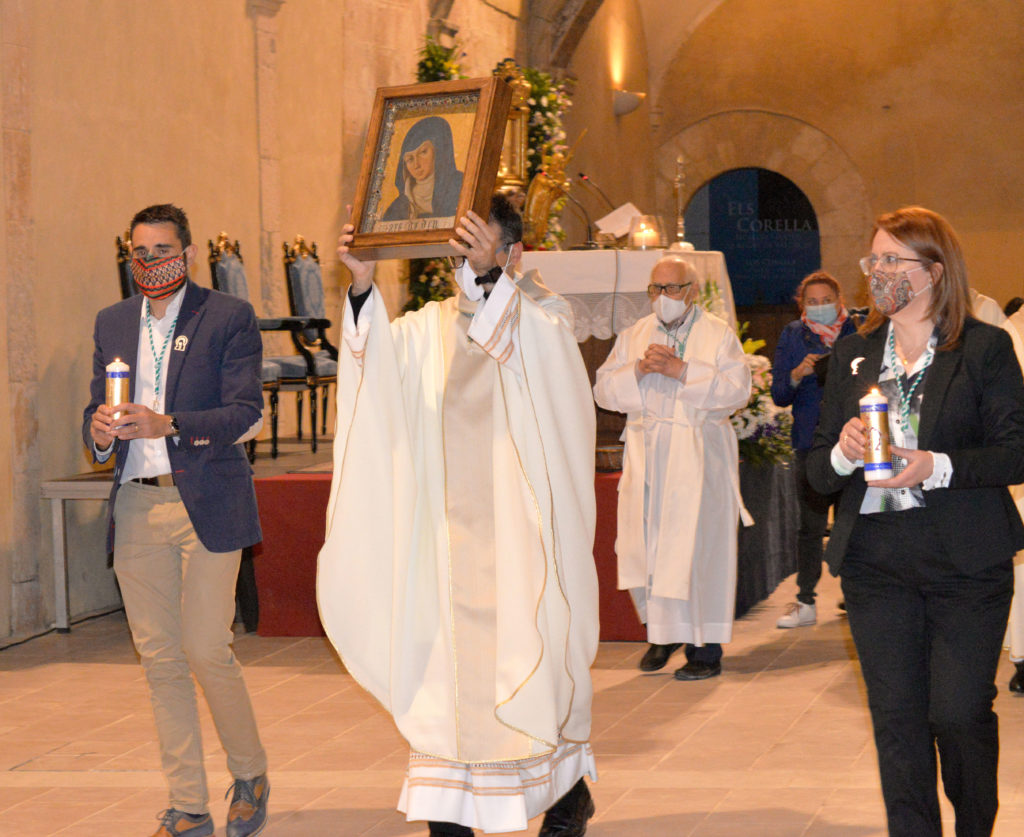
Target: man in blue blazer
182 507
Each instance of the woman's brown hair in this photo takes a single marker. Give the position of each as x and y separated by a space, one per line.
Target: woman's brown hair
819 277
932 238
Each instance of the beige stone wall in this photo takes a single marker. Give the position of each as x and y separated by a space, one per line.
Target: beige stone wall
922 98
250 114
616 151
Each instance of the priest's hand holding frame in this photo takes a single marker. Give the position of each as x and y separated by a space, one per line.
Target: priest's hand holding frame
362 272
480 242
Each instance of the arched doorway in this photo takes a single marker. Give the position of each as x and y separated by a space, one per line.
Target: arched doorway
767 229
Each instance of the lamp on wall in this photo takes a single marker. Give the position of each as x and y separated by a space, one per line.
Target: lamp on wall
626 101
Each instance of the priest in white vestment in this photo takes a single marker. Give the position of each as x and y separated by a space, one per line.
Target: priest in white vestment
678 374
457 580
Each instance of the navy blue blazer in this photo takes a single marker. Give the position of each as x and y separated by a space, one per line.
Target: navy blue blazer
972 409
214 392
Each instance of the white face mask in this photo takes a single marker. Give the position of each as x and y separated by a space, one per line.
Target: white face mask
669 310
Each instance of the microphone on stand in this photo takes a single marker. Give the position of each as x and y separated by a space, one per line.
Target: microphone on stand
590 244
586 179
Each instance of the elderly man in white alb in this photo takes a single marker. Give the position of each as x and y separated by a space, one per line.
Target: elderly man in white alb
457 581
678 374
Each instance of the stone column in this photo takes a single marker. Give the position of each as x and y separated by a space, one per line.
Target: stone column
21 541
272 291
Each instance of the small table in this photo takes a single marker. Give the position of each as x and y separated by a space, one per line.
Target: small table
94 485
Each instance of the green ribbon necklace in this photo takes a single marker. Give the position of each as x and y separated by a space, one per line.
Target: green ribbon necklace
158 360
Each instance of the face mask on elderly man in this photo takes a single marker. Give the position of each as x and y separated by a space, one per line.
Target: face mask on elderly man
669 310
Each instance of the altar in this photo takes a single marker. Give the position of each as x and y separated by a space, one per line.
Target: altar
293 508
607 289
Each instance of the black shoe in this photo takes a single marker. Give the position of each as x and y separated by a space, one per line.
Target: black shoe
568 817
1017 681
698 671
449 829
657 656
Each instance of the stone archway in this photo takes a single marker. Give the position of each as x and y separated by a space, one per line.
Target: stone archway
801 152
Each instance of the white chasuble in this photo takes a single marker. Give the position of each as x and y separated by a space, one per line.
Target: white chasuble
679 494
457 579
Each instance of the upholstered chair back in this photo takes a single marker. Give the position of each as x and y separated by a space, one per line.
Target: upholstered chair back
305 284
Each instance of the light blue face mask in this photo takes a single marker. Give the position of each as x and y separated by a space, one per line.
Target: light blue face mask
825 314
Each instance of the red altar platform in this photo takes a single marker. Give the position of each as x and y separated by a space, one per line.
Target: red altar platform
293 513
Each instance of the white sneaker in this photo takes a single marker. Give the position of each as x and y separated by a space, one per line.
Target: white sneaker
798 615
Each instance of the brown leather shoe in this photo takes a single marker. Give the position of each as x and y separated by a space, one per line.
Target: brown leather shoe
175 823
248 812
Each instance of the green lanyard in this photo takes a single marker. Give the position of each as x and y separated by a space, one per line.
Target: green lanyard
905 394
681 344
158 360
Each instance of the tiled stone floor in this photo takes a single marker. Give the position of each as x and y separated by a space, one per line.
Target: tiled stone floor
779 745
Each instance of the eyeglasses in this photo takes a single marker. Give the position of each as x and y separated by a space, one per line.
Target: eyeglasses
887 262
672 290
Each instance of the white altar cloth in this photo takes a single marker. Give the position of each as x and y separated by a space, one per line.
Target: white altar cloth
607 289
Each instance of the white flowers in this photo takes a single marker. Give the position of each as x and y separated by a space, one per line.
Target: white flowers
764 430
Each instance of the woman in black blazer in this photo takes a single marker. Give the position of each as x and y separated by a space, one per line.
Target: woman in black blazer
926 556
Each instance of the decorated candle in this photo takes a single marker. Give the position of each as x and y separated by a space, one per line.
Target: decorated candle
874 412
117 383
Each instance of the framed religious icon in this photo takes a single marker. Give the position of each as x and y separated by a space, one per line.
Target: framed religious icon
431 154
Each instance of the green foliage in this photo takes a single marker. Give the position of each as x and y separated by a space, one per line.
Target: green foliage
430 280
438 63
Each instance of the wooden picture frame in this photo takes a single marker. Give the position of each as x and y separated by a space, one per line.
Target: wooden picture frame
431 154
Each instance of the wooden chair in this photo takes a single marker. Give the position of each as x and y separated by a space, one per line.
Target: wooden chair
306 298
227 275
124 266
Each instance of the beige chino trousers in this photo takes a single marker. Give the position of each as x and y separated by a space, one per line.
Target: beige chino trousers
180 602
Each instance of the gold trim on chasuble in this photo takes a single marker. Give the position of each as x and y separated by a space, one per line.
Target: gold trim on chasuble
554 546
454 332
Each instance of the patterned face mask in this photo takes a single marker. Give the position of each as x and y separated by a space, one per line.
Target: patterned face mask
892 292
158 277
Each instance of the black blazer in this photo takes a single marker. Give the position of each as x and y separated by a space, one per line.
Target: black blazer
972 409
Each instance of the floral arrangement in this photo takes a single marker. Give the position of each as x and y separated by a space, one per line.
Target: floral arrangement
548 102
438 63
764 430
430 280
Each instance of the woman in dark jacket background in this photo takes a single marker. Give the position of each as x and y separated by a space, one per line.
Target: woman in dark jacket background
798 378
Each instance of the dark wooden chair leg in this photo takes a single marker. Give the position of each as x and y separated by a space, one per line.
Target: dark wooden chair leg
312 415
298 415
273 424
323 426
